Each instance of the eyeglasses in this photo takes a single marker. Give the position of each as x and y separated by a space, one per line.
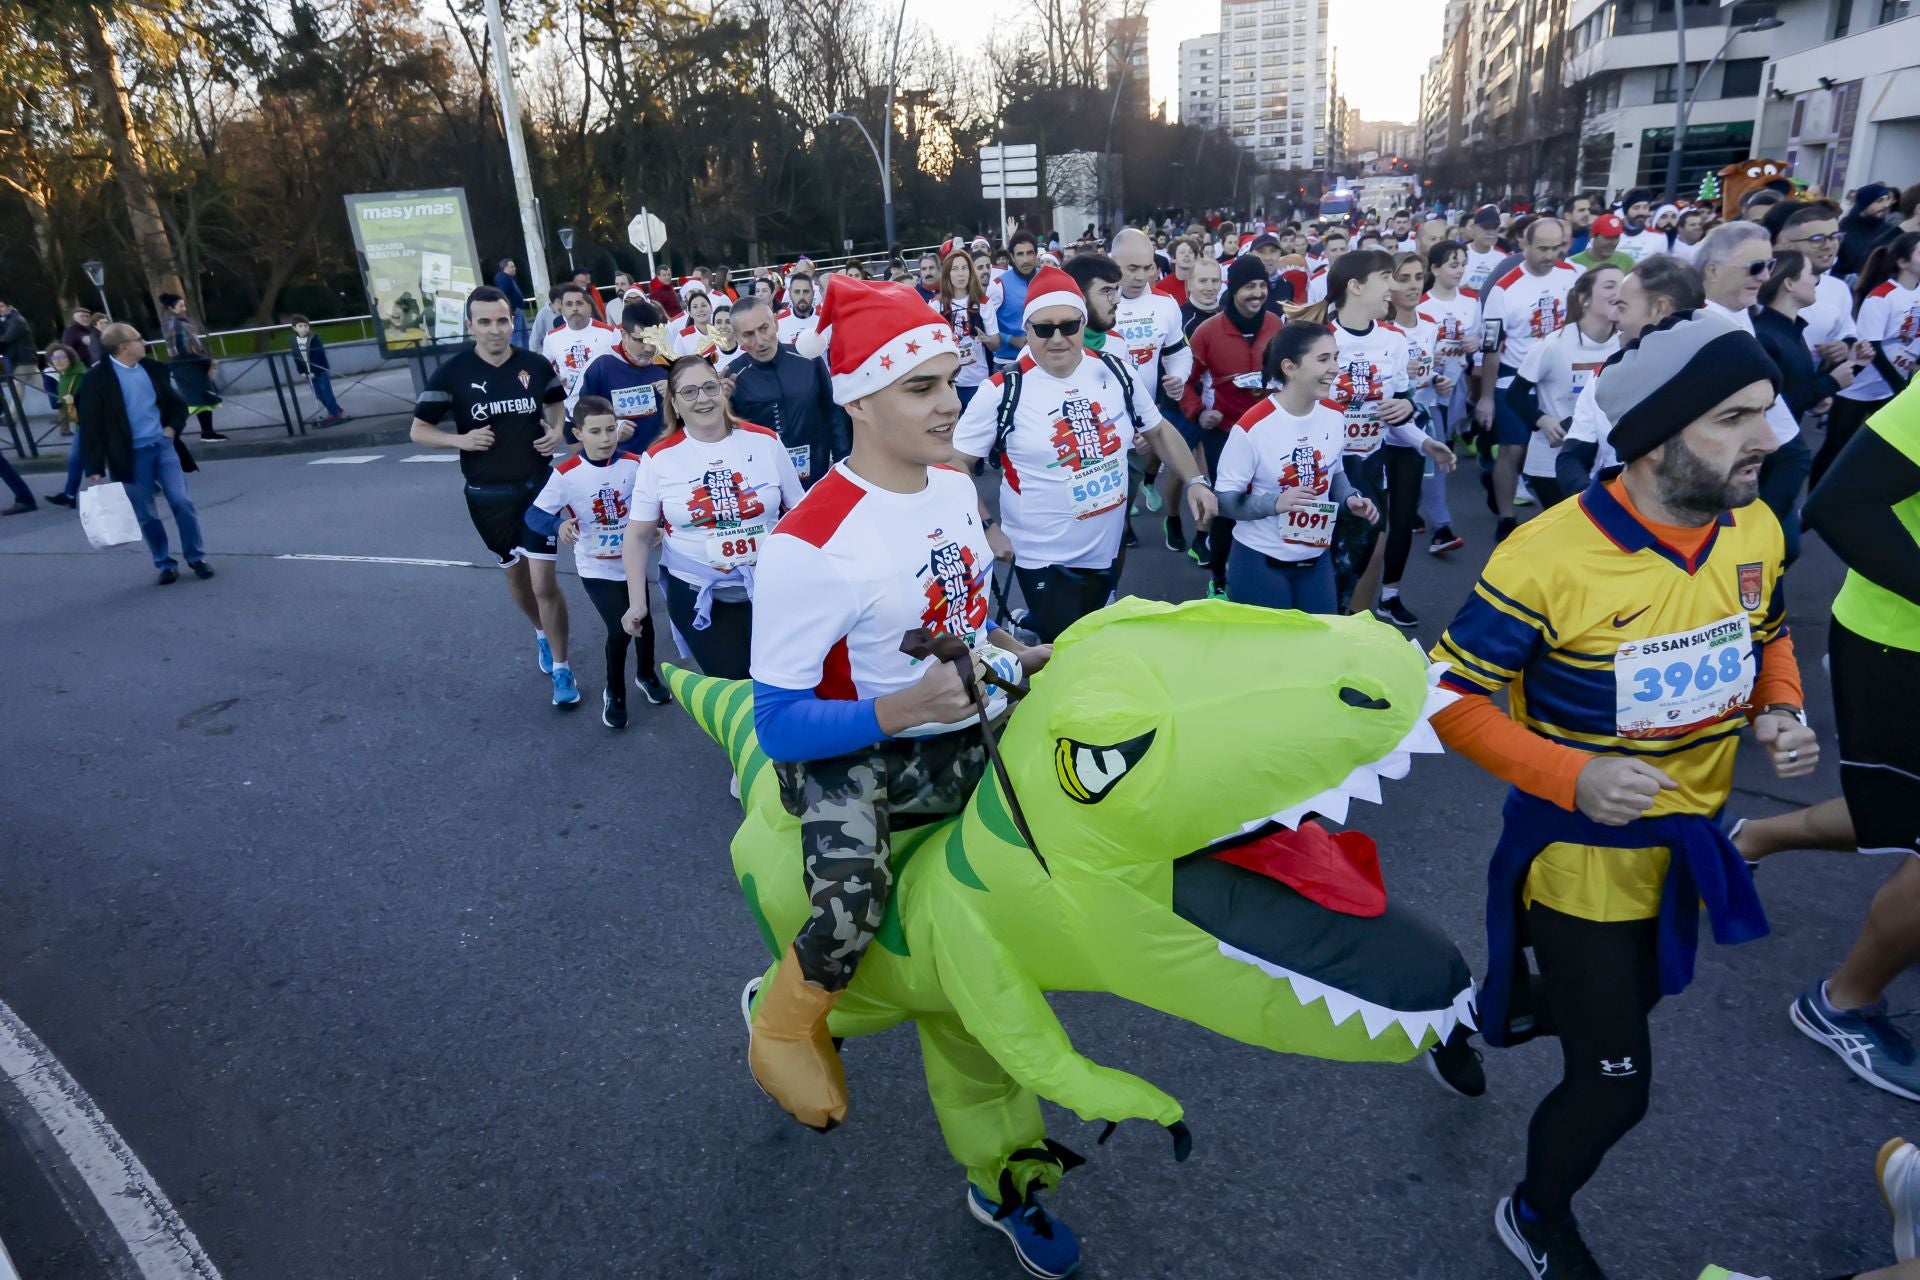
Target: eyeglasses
1065 328
1832 238
705 391
1762 268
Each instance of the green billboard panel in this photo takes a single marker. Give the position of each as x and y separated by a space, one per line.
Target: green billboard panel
418 263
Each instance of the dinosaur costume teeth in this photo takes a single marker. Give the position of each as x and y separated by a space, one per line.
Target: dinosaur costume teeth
1159 744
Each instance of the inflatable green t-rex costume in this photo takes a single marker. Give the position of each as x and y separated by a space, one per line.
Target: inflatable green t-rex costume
1157 736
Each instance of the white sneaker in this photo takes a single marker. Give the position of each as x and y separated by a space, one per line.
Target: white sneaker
1898 1170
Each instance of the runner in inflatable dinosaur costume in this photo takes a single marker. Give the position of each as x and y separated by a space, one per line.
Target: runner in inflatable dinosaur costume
1150 757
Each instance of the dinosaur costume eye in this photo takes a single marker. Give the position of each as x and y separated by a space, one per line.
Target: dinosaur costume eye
1089 773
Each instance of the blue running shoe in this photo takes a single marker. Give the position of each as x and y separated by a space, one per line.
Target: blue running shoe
566 692
1045 1246
546 655
1866 1040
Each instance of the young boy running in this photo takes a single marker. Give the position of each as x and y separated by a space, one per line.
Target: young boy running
584 505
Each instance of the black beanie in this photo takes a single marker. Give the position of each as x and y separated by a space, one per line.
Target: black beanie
1678 370
1245 270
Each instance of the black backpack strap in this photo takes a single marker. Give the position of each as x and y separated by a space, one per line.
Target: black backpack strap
1003 417
1125 377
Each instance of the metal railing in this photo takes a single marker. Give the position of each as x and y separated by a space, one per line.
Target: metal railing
260 384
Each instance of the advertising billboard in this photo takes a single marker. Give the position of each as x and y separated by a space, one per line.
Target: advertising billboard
418 263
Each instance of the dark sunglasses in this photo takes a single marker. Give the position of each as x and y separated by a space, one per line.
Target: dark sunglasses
1761 268
1065 328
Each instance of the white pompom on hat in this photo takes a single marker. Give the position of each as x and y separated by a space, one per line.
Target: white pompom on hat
1053 287
875 333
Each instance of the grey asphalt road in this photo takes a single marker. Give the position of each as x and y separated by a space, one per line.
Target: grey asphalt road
388 969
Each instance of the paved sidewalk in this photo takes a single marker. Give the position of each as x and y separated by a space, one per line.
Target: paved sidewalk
379 406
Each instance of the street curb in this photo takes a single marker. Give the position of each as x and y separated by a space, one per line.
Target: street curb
361 433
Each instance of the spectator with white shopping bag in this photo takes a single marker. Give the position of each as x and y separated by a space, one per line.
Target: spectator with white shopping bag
130 420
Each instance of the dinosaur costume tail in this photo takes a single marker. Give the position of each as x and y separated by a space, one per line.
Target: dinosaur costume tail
724 708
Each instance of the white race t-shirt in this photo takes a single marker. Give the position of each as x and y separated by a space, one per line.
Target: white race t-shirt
1529 308
976 362
1373 370
1830 318
598 495
1270 450
1063 490
1423 344
1890 318
852 568
1455 321
720 501
1560 366
1590 424
572 350
1149 326
788 327
1479 267
1637 245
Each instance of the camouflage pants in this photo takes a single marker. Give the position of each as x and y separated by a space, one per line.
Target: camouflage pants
846 806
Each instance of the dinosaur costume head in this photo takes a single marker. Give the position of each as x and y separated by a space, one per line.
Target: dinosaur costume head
1158 751
1161 736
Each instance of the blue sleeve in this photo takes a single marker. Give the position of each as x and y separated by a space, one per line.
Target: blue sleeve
543 522
795 724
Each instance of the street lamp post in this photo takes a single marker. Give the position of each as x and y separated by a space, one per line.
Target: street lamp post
566 242
883 154
1683 101
97 272
886 183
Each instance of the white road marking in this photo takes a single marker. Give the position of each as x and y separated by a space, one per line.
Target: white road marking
348 461
453 456
161 1245
437 564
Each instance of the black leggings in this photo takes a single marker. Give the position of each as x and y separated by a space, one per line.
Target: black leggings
1600 982
725 648
1220 532
609 598
1842 421
1405 468
1057 597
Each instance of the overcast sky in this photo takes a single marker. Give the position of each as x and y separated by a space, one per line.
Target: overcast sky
1382 46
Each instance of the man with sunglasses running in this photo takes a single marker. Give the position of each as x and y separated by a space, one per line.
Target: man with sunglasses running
1733 262
1062 420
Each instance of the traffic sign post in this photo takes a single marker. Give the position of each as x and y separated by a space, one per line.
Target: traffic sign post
1009 171
647 233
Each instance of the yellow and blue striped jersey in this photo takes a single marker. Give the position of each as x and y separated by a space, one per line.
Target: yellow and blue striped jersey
1610 641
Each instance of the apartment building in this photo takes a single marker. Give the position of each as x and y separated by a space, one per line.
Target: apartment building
1200 81
1275 98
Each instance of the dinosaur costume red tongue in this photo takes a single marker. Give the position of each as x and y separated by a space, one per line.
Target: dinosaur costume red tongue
1340 871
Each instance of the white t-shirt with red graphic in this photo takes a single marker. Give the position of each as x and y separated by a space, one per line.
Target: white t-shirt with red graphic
853 568
1149 327
1455 321
598 495
572 350
1063 491
788 327
720 501
1889 318
976 363
1480 265
1268 451
1560 367
1373 370
1529 307
1423 343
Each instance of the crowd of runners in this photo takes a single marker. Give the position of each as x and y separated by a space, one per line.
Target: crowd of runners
802 468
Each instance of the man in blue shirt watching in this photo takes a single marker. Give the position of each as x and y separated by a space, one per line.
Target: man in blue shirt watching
130 418
507 281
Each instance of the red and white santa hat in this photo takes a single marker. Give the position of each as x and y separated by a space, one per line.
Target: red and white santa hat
874 333
1053 287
